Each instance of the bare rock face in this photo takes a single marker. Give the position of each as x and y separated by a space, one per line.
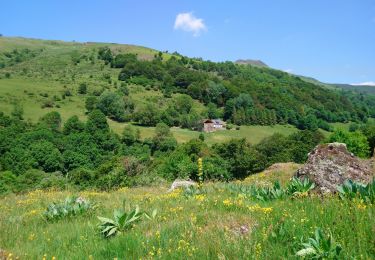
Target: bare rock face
329 165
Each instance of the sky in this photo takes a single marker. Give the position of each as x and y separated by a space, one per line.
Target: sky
330 40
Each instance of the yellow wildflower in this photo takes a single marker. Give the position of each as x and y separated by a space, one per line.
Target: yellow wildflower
200 197
227 202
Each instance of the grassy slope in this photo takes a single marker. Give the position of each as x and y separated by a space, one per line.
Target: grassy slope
53 72
205 227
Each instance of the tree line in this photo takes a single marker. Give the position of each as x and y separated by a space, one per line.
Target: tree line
89 155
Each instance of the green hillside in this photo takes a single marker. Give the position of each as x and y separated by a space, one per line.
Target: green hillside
357 88
42 76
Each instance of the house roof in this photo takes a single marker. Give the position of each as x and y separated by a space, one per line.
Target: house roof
218 121
214 121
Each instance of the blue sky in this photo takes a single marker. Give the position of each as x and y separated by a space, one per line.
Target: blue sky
331 40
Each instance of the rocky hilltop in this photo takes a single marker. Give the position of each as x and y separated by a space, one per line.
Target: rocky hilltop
257 63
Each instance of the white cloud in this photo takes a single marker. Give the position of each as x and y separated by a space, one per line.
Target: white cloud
367 83
189 23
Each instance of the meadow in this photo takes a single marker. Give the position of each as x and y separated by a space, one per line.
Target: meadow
221 222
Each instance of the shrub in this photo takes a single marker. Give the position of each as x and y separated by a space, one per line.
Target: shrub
82 89
124 89
355 141
216 168
81 177
130 135
112 105
31 179
8 182
67 93
90 103
53 180
47 103
17 111
52 120
47 156
73 125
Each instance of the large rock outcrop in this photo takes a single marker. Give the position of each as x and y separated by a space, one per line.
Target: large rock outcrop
329 165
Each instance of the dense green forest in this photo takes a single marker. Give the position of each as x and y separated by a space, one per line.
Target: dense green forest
247 94
49 154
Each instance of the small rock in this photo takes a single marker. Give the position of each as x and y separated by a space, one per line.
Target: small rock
241 230
181 183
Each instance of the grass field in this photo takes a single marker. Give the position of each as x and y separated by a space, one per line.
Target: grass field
221 223
254 134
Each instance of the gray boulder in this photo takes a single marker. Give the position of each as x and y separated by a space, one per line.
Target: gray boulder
181 183
329 165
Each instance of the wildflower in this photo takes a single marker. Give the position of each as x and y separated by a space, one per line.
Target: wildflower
193 218
361 205
257 208
258 250
227 202
200 197
31 237
123 189
200 170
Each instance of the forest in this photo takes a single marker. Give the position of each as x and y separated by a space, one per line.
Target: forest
89 155
243 95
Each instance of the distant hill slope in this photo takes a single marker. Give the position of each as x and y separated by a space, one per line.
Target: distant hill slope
358 88
257 63
314 81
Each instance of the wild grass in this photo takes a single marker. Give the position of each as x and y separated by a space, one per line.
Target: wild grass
215 224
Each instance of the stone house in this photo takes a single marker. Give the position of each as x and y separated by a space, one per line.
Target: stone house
212 125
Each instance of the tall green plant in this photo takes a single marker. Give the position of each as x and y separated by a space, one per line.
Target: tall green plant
298 187
320 247
352 190
121 222
270 193
72 206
